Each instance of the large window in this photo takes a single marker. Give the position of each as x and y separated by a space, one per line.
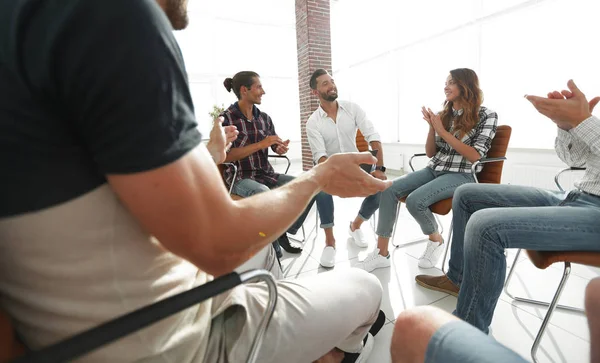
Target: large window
393 56
228 36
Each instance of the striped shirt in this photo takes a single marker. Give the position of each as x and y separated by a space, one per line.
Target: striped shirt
255 166
480 138
580 147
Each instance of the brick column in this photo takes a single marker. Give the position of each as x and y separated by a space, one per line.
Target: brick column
313 34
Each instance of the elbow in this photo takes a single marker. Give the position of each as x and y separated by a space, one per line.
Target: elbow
473 156
210 258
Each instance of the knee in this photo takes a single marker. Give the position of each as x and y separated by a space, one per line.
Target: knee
414 204
592 296
367 285
259 189
412 331
463 194
482 226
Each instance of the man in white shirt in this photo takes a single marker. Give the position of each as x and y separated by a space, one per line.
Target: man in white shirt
331 129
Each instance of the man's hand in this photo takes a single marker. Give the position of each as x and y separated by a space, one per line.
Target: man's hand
282 148
567 108
379 175
271 140
220 140
341 175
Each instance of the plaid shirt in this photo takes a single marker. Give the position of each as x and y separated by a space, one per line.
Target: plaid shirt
480 138
255 166
577 147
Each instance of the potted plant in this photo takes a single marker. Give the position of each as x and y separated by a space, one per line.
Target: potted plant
216 111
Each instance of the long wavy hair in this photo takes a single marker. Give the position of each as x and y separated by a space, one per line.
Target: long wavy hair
471 98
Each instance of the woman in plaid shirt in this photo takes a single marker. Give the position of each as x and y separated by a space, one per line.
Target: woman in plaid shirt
459 135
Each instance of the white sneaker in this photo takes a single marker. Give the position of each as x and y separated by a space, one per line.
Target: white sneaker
374 261
431 255
366 351
328 257
358 236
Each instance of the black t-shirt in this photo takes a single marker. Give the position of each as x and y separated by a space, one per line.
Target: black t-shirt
87 88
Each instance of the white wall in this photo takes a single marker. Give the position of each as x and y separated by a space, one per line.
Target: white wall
228 36
392 57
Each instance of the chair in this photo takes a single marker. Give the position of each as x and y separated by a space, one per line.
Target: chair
544 259
83 343
491 173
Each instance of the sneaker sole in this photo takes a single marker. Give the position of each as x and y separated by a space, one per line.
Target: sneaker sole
327 265
435 288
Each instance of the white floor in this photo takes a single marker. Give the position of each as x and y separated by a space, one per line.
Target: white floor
515 324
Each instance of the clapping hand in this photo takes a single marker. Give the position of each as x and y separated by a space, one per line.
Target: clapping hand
567 109
282 148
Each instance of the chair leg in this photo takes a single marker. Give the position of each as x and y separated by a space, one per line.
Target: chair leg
415 240
551 307
411 242
373 222
532 301
448 241
297 239
439 223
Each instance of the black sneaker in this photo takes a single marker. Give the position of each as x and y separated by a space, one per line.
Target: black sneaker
363 355
284 242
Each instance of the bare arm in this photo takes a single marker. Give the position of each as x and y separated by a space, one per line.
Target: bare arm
430 146
186 207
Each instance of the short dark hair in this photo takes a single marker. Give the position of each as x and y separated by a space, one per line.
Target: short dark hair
316 74
244 78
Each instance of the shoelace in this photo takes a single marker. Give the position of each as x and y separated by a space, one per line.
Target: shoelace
372 256
429 250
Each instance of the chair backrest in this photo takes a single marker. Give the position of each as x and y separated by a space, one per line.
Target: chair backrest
10 347
492 172
361 143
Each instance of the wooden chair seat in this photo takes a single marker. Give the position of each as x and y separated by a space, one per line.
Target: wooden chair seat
442 207
544 259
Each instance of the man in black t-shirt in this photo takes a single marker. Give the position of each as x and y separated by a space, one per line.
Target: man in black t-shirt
109 202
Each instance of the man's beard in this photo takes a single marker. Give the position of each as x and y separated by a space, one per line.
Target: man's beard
329 97
176 11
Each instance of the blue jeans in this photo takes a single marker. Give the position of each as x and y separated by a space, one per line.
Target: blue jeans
459 342
423 188
248 187
489 218
325 207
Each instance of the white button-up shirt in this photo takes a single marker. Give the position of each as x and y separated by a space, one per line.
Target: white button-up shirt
327 137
